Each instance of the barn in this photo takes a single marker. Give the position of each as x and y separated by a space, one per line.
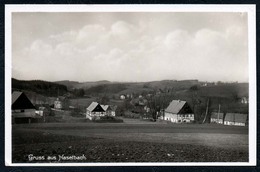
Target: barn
237 119
178 112
23 111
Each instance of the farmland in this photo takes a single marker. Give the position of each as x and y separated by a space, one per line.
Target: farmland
131 141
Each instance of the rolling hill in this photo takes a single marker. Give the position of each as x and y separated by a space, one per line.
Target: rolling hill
38 86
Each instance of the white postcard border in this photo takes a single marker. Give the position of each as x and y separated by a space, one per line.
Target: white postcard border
250 9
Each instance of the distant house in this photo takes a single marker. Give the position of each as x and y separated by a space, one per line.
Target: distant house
244 100
205 84
146 109
178 112
43 109
107 109
217 118
113 110
122 97
94 111
23 111
58 104
237 119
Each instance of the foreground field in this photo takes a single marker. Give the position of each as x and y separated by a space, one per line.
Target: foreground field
129 142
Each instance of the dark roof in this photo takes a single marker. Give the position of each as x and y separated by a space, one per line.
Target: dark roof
175 106
95 107
16 95
216 116
21 101
92 106
236 117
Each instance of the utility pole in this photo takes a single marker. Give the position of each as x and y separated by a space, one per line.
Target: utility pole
218 111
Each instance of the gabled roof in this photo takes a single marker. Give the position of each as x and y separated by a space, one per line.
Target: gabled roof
106 107
94 106
236 117
21 101
175 106
16 95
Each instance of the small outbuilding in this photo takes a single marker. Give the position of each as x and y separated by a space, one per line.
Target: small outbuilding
237 119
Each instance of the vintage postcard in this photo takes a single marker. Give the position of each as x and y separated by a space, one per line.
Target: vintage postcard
130 85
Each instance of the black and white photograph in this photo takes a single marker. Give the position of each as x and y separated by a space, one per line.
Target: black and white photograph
130 85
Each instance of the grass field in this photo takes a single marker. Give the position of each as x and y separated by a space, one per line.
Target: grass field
131 141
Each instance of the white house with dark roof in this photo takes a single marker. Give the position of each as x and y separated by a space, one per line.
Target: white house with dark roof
178 112
96 110
237 119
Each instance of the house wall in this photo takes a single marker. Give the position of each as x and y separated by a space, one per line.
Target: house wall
91 115
234 123
110 113
215 120
57 105
178 118
23 113
113 113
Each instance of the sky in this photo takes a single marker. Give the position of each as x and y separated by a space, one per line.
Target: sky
130 46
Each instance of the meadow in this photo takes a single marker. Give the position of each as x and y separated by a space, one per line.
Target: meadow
131 141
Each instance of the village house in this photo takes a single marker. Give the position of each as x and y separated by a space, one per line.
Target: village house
244 100
122 97
58 104
42 109
23 111
237 119
95 110
217 118
61 103
178 112
107 109
113 110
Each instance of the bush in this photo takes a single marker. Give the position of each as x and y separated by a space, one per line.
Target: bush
104 119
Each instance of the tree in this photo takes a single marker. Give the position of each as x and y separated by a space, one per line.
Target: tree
104 100
79 92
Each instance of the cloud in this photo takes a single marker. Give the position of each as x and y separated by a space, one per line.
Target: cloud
125 51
